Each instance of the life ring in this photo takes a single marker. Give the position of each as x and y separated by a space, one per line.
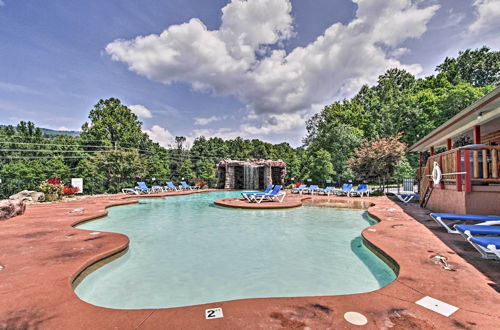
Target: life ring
436 173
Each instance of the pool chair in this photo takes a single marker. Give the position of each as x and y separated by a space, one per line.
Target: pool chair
273 196
488 246
406 198
299 188
360 191
185 186
482 219
311 189
156 188
170 186
327 191
130 191
143 188
345 190
246 194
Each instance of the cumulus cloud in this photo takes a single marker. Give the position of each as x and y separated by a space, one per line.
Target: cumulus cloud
205 121
277 83
141 111
488 16
63 128
161 135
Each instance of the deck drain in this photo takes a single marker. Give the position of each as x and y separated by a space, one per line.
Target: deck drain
1 267
437 306
355 318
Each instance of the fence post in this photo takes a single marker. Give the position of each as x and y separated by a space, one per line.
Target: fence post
440 162
468 184
458 169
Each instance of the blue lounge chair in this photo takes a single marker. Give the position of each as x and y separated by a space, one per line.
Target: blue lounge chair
170 186
185 186
327 191
311 189
406 198
142 187
274 195
360 191
346 189
488 246
299 188
441 217
246 194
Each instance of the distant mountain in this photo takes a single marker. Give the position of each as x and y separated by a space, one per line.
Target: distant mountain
48 131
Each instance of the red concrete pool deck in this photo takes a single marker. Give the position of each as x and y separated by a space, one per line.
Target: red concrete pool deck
42 253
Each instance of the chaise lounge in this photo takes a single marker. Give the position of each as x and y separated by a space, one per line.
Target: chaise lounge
273 196
440 218
246 194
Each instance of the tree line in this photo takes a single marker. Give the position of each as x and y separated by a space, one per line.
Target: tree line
113 152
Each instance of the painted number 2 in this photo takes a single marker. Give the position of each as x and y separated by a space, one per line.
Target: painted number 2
213 313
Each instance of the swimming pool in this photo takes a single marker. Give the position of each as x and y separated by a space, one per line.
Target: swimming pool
184 250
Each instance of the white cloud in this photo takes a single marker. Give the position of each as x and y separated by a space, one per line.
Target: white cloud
141 111
488 16
161 135
205 121
278 84
63 128
2 3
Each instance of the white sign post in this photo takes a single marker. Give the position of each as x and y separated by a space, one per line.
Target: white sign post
77 182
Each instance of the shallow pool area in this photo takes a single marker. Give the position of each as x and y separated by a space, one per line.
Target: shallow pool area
184 250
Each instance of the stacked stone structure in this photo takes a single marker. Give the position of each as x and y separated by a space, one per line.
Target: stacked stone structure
251 174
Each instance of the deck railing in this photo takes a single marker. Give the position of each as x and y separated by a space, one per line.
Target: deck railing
466 165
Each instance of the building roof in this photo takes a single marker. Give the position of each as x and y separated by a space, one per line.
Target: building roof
252 162
484 112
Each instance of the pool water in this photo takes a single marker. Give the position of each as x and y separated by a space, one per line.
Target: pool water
184 250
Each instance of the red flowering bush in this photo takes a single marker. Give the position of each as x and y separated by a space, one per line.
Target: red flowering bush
298 184
69 190
201 184
55 180
51 186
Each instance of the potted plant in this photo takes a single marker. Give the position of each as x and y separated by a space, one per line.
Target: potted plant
52 188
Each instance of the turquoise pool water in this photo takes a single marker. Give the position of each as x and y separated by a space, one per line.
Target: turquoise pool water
184 250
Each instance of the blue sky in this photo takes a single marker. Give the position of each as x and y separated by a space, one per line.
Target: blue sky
256 68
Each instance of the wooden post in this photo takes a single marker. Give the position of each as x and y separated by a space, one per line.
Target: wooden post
477 134
440 162
458 169
431 150
485 164
494 164
475 158
468 184
448 144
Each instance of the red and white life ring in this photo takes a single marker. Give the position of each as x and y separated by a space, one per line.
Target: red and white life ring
437 175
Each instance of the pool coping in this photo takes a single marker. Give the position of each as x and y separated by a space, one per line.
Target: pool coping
42 247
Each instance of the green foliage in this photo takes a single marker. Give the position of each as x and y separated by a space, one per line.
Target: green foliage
186 170
320 166
479 67
403 169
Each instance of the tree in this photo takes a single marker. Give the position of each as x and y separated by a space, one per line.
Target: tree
479 67
205 170
320 166
113 124
376 159
186 170
120 168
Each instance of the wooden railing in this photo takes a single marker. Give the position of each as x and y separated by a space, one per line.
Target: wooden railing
465 165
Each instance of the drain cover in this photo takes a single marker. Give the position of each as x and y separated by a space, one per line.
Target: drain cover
1 267
437 306
355 318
